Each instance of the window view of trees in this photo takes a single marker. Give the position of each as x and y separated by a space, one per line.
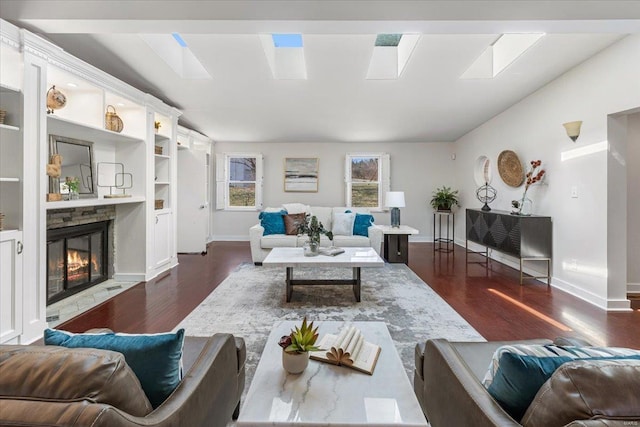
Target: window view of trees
365 181
242 181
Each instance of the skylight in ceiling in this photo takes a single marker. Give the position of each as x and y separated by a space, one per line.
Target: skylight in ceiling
502 53
285 56
390 55
174 51
179 39
388 39
287 40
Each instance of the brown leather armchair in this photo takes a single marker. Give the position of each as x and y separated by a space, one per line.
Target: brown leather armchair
208 395
448 385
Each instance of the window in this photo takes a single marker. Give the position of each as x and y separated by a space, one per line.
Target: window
239 181
367 179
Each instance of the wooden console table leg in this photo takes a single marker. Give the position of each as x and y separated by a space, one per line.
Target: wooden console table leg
356 284
289 289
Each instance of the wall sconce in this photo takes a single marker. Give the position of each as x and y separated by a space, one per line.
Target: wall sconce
395 200
573 129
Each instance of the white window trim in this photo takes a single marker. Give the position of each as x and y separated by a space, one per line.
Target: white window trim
223 181
384 177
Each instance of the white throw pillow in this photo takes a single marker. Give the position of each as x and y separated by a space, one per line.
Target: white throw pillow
295 208
271 210
343 224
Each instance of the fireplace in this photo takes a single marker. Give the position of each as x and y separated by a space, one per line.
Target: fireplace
77 258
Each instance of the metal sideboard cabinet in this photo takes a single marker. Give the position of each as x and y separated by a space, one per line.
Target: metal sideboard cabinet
527 238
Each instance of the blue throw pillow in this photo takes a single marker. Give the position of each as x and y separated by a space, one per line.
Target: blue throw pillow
272 222
519 376
156 359
362 224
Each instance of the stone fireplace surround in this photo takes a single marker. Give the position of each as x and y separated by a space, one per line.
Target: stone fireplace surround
60 218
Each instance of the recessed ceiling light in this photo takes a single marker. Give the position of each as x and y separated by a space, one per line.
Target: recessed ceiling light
120 104
70 84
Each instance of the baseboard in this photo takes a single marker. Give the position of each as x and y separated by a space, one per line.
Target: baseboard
229 238
571 289
633 288
129 277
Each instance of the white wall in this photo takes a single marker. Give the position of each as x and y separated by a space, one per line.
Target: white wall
633 202
416 168
606 83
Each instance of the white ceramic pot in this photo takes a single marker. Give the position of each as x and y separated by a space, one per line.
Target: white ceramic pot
295 363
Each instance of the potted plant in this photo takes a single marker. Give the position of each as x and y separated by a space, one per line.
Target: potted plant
296 347
73 185
444 198
313 228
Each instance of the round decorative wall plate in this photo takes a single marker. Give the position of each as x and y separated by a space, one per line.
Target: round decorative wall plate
510 168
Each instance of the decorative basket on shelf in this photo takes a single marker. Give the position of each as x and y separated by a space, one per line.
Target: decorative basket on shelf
159 149
112 121
1 218
159 204
3 113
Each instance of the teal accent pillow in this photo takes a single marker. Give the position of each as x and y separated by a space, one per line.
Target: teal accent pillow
519 377
272 222
362 224
156 359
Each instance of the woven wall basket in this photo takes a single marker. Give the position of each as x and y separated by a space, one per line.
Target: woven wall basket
111 121
510 168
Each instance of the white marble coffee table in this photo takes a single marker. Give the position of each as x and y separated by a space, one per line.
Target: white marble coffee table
331 395
352 257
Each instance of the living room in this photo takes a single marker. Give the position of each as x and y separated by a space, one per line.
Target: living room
437 130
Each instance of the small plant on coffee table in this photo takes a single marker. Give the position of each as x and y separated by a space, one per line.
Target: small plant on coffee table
301 340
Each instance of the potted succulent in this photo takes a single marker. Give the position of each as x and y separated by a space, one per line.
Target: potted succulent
313 228
296 347
444 198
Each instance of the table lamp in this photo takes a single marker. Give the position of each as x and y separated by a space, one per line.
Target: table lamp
395 200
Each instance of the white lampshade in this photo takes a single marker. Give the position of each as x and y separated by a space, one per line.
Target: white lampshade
394 199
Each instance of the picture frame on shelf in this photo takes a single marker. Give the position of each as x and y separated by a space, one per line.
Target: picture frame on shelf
301 174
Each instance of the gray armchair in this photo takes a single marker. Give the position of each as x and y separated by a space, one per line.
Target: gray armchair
208 395
448 384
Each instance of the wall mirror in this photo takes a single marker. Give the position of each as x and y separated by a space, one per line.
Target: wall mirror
77 161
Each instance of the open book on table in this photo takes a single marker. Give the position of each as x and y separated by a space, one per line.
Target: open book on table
348 348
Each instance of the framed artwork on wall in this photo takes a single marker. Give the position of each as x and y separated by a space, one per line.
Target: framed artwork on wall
301 174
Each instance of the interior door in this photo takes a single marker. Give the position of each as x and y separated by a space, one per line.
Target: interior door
193 203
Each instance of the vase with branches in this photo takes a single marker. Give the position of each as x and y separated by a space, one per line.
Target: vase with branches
523 206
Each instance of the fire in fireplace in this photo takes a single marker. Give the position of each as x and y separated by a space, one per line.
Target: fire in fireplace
76 259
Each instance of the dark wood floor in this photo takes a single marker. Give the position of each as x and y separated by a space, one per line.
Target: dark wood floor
491 300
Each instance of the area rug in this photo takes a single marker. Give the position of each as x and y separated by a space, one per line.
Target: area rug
252 298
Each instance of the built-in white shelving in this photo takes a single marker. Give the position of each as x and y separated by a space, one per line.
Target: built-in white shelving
9 127
145 237
57 125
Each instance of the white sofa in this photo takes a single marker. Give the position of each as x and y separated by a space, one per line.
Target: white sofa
261 245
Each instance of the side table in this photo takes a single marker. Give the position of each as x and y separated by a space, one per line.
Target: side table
439 240
396 242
